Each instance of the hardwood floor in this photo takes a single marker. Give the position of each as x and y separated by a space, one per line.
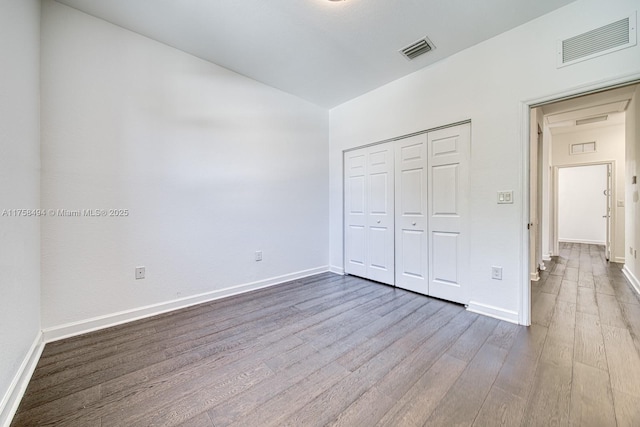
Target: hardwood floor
334 350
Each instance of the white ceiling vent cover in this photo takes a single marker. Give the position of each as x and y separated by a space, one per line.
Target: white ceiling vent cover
417 48
600 41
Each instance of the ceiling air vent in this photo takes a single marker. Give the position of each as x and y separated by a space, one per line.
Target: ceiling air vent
600 41
418 48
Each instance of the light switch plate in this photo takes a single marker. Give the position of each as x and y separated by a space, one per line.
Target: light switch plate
505 197
140 272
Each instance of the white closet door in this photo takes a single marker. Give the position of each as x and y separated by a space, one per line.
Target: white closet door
411 214
355 212
448 152
369 246
380 212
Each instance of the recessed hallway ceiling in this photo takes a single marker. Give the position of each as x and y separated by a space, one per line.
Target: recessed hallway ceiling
610 105
323 51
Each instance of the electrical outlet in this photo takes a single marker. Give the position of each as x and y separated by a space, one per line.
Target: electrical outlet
496 273
140 271
258 255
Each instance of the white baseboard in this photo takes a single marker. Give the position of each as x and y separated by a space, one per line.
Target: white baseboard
547 257
336 269
534 276
13 396
586 242
101 322
619 259
491 311
633 279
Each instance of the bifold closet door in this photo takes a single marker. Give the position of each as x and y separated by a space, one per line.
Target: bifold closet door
448 159
411 213
369 248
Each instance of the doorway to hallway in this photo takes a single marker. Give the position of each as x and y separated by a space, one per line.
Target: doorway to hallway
579 130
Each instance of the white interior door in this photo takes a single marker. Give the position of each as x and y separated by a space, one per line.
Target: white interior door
406 212
583 204
411 214
380 213
369 236
355 209
448 158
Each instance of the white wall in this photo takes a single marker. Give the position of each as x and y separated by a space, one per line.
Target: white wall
211 165
610 146
19 189
582 204
488 84
632 206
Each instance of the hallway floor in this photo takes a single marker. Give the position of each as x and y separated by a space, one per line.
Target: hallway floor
590 361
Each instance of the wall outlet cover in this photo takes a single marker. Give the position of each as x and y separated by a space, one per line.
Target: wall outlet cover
140 273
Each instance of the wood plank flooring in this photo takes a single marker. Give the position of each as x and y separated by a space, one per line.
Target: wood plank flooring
334 350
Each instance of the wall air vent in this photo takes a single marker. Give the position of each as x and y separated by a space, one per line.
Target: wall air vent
600 41
418 48
592 120
583 147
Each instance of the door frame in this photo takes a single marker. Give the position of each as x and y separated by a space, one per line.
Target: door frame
535 190
524 317
612 190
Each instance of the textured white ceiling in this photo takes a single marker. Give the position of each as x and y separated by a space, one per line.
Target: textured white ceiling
325 52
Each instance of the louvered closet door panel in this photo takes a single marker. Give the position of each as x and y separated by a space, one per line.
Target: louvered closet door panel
380 213
448 152
355 199
411 214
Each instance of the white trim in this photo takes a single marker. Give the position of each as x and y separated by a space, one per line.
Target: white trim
100 322
13 396
534 277
619 260
524 290
632 279
495 312
586 242
546 257
337 270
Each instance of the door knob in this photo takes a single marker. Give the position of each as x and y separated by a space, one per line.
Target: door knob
378 221
413 223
